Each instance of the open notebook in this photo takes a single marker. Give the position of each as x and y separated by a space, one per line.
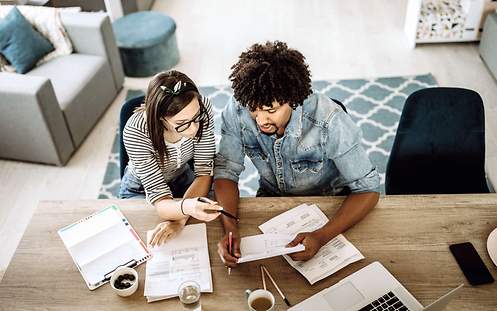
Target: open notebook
102 242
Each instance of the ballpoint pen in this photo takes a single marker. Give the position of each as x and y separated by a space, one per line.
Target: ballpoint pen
222 211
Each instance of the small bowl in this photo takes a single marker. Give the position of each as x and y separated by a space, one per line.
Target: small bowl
126 291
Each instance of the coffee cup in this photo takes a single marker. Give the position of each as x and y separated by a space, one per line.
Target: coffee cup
260 300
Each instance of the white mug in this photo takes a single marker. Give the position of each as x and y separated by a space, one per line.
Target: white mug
259 293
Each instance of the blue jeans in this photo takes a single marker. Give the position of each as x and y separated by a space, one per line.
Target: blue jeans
132 188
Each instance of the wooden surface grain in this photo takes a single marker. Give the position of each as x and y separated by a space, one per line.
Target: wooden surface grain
409 235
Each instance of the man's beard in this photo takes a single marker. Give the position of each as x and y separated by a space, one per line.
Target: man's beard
272 132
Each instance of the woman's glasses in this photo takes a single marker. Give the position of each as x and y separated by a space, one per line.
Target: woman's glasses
200 116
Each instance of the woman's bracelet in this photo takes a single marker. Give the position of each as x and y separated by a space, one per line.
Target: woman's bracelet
181 205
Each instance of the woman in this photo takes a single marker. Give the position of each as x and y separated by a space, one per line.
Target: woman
171 132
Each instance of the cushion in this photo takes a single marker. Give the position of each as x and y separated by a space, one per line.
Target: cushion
83 93
68 83
20 43
47 21
143 29
5 66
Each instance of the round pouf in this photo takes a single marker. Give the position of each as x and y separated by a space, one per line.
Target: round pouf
147 43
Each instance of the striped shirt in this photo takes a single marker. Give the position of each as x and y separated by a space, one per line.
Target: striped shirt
144 159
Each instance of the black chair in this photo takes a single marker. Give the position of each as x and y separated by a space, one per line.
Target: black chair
440 144
339 103
126 112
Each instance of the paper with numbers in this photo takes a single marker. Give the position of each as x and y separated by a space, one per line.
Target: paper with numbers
335 255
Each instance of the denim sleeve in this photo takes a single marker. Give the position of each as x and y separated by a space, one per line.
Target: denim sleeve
229 161
344 147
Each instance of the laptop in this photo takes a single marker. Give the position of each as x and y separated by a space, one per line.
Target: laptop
371 288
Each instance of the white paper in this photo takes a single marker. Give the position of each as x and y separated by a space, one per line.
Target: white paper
184 258
335 255
262 246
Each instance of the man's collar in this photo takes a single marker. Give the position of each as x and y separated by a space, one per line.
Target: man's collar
294 126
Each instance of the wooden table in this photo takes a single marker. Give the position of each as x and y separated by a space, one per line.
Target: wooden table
408 234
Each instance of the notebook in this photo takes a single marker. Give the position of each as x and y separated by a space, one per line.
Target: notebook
102 242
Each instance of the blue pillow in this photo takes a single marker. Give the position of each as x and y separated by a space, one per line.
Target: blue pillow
20 43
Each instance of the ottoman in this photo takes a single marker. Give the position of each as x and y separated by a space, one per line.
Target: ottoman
146 42
488 43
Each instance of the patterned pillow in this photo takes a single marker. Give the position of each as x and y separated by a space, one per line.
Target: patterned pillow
5 66
48 22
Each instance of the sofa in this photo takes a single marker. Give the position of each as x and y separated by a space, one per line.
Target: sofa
488 43
46 113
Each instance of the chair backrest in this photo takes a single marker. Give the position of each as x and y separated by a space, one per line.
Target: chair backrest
440 144
339 103
126 112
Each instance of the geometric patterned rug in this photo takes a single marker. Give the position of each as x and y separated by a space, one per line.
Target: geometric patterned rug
374 104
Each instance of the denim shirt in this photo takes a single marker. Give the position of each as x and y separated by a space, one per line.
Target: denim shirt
320 152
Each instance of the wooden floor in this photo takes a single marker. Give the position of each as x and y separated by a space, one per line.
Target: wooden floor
340 39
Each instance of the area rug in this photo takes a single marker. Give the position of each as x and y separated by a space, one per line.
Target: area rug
374 104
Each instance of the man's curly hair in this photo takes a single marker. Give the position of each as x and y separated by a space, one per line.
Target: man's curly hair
269 72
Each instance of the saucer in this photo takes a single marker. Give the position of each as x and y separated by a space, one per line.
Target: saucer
492 246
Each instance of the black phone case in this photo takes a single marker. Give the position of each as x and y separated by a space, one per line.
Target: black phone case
483 276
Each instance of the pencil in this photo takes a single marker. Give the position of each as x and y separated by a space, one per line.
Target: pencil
230 248
263 278
276 286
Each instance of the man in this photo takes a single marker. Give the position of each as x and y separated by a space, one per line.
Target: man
302 143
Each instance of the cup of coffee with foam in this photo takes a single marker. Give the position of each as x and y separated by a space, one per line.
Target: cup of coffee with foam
260 300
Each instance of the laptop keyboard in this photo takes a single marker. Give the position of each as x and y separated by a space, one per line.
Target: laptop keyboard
388 302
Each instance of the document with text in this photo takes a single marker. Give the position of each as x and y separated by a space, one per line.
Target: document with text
268 245
335 255
183 258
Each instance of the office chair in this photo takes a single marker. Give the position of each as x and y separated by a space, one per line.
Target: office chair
339 103
126 112
440 144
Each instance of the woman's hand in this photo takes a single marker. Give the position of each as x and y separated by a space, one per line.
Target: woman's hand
166 230
201 208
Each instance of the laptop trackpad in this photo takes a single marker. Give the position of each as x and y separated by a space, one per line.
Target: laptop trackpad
343 297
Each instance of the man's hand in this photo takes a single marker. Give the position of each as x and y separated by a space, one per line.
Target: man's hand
311 242
166 230
223 249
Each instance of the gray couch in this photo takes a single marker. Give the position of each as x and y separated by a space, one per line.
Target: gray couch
46 114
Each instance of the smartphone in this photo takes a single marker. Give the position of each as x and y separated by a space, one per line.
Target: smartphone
471 264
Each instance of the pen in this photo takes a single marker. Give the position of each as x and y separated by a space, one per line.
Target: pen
230 248
225 213
222 211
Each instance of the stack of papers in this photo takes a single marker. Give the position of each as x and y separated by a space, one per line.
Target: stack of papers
335 255
184 258
268 245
